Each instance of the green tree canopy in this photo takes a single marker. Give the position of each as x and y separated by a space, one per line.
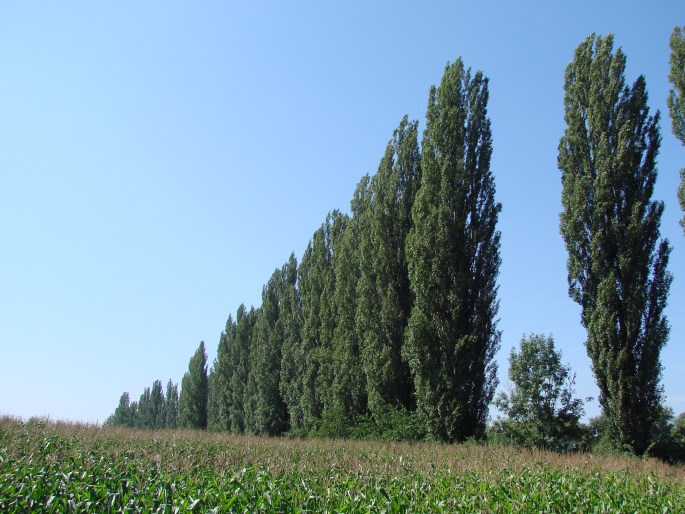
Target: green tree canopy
194 391
676 100
219 397
269 415
384 297
316 279
171 405
123 416
453 260
616 264
541 408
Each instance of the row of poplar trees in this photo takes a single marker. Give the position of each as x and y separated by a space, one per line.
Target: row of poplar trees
391 313
391 308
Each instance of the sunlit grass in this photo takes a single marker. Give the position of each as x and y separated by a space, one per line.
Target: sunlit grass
59 467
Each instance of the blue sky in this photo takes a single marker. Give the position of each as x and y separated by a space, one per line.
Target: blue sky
159 159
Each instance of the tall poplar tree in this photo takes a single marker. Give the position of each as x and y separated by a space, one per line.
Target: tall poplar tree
123 414
145 417
157 401
171 405
194 390
219 396
269 416
453 259
349 398
384 296
616 263
292 360
676 100
239 355
316 281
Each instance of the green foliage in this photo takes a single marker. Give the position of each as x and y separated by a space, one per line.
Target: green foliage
453 259
348 390
171 406
667 443
316 279
269 415
123 415
541 409
668 440
157 402
292 361
219 381
153 410
53 468
239 355
384 297
676 100
390 424
616 270
192 410
145 417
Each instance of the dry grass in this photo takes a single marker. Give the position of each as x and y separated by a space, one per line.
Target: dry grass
183 449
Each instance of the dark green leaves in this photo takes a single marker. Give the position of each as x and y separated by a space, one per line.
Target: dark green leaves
610 226
676 100
194 391
541 409
453 259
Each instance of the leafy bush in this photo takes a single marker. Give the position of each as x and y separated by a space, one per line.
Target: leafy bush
386 425
541 409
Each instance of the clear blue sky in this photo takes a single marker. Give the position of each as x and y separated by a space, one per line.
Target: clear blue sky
159 159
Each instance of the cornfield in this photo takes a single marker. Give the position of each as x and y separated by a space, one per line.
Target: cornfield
61 467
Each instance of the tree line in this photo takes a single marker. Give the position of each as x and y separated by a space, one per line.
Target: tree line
387 327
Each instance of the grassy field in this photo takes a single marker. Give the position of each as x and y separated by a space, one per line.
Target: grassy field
57 467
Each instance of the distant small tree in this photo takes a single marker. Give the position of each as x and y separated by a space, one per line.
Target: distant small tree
145 418
133 410
194 389
123 414
678 437
171 406
541 409
157 405
239 355
668 440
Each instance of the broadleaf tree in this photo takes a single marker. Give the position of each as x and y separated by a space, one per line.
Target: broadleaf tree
541 409
617 266
453 260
